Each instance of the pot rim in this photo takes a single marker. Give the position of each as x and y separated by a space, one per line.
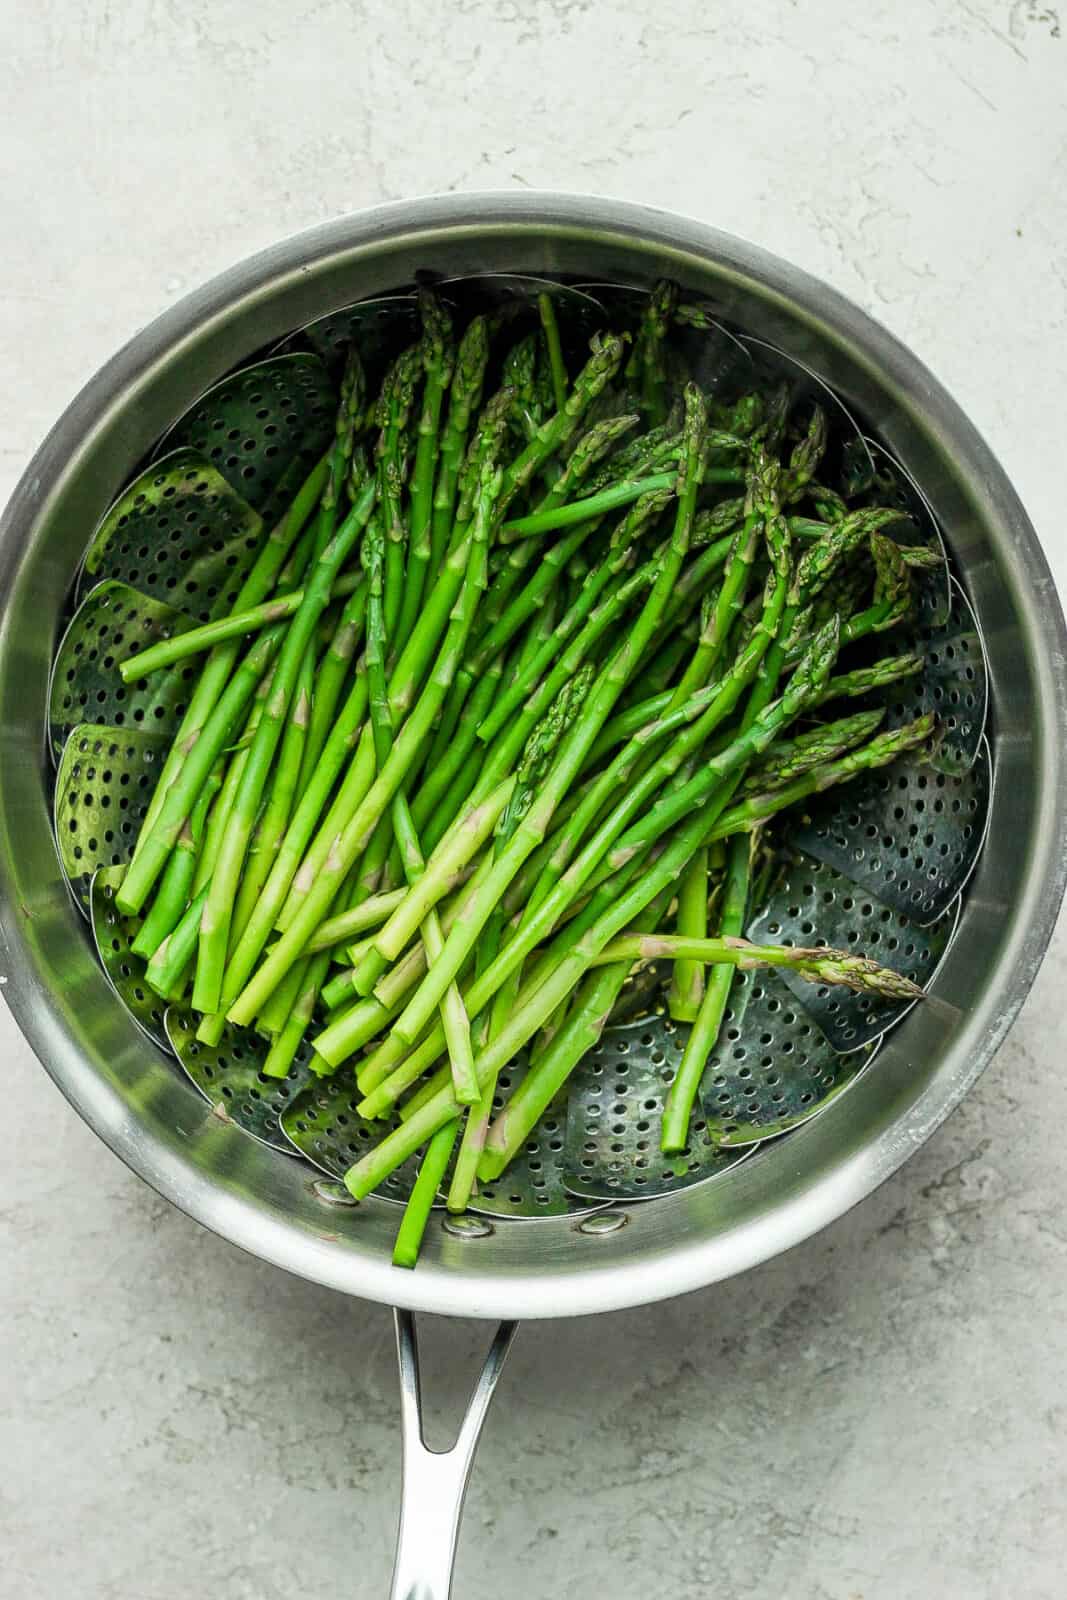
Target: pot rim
596 1287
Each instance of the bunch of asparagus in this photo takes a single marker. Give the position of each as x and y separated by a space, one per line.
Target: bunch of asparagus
503 708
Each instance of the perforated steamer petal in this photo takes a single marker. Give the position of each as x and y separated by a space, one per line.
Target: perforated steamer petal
262 1199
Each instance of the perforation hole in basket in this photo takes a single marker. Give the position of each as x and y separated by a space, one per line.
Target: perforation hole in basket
812 904
322 1123
180 534
230 1075
772 1068
908 832
112 623
104 783
263 428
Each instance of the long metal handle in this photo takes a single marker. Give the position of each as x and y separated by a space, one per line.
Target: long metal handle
434 1482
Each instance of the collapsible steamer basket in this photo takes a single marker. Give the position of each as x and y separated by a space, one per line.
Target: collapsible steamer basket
569 1230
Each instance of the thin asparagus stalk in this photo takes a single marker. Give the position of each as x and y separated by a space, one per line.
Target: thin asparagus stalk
687 980
275 1014
346 423
705 1030
818 964
270 829
219 816
239 623
648 363
176 885
476 1123
333 670
593 1004
394 409
721 615
368 914
165 973
289 1038
612 498
464 397
417 1211
472 1143
550 328
438 355
297 561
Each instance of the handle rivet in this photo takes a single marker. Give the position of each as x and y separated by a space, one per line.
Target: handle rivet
329 1193
603 1222
467 1227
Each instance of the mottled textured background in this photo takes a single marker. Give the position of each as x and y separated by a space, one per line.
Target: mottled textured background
880 1414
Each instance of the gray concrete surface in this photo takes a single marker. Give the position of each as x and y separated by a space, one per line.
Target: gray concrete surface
880 1414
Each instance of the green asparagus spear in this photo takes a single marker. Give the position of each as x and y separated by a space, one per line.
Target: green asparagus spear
392 416
701 1041
438 353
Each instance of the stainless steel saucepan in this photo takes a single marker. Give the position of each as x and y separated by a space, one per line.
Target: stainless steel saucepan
152 1117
